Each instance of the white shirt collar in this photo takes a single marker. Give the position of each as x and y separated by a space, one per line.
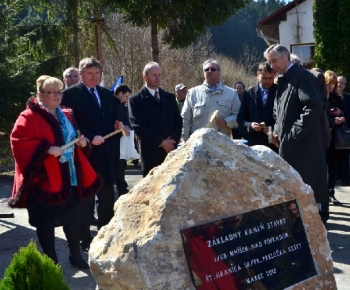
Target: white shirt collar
151 91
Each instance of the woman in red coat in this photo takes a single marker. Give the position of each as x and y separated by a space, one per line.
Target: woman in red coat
49 181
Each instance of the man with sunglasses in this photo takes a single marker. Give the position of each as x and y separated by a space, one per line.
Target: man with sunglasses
211 104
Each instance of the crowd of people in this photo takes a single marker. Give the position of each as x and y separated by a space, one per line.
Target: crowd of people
66 142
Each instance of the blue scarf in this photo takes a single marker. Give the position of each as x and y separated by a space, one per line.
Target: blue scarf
69 135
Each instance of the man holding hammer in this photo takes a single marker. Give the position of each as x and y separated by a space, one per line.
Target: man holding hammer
96 117
211 104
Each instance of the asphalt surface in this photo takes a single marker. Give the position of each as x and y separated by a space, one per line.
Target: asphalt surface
16 232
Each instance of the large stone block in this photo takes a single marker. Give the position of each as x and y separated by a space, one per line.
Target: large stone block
209 178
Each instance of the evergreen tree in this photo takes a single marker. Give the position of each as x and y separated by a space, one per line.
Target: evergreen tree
182 20
238 33
326 34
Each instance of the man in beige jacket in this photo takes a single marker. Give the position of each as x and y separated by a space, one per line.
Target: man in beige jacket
211 104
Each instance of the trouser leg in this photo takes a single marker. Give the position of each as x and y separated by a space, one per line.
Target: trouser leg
105 204
46 236
122 185
332 169
86 211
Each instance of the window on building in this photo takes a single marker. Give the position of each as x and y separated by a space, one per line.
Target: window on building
306 54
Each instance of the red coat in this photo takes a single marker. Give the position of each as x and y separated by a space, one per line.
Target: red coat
37 172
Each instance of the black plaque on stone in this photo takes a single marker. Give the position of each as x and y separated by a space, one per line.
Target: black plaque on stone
261 249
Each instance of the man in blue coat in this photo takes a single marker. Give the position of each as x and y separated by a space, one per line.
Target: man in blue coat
155 118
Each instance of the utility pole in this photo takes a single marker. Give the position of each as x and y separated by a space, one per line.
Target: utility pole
98 22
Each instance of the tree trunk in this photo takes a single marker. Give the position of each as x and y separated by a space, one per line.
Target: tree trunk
75 33
154 36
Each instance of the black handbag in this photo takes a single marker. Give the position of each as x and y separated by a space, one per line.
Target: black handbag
342 137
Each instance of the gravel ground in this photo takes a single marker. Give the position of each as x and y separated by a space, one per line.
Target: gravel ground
16 233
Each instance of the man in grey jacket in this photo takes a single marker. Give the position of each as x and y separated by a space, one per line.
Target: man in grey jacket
211 104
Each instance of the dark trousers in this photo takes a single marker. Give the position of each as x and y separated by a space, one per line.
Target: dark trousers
122 185
344 168
105 204
323 207
68 217
86 208
334 158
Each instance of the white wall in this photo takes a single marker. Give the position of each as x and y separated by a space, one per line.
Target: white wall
288 28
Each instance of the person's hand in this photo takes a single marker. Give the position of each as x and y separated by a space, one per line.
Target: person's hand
339 120
168 145
82 142
118 125
275 140
98 140
256 127
336 112
126 131
221 122
266 130
55 151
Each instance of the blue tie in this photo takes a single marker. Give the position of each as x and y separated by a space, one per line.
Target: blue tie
264 97
92 91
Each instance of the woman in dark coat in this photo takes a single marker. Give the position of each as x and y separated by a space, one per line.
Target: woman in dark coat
49 181
339 112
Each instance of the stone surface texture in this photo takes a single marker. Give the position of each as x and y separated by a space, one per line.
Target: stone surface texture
208 178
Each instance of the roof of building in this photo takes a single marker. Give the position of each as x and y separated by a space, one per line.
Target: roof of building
280 14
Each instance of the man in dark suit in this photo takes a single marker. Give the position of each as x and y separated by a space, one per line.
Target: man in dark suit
95 115
155 118
256 111
298 107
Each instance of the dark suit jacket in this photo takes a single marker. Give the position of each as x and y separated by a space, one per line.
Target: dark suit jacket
298 107
93 120
153 122
253 110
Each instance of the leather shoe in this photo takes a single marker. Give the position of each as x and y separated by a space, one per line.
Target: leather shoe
94 221
85 245
78 262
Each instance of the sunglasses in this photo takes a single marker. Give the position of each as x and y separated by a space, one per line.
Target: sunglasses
210 69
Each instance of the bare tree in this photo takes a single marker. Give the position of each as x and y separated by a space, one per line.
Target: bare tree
132 50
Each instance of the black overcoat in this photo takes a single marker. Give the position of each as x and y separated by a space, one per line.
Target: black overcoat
298 107
153 122
253 110
94 120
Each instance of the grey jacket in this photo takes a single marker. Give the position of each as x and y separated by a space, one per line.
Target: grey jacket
201 103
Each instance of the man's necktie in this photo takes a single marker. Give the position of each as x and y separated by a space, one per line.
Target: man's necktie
156 96
92 91
265 94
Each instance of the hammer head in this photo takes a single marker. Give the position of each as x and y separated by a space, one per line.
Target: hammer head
214 116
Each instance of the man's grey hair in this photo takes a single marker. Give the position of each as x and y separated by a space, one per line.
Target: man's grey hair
295 59
68 70
89 62
149 65
279 49
341 77
209 61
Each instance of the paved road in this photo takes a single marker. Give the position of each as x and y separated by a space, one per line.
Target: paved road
16 233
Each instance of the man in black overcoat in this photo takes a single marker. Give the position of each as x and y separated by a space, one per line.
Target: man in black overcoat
298 108
95 114
257 108
155 118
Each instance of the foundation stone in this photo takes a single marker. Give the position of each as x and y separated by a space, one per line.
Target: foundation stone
210 178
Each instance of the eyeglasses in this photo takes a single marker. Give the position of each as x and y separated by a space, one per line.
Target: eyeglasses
53 93
210 69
